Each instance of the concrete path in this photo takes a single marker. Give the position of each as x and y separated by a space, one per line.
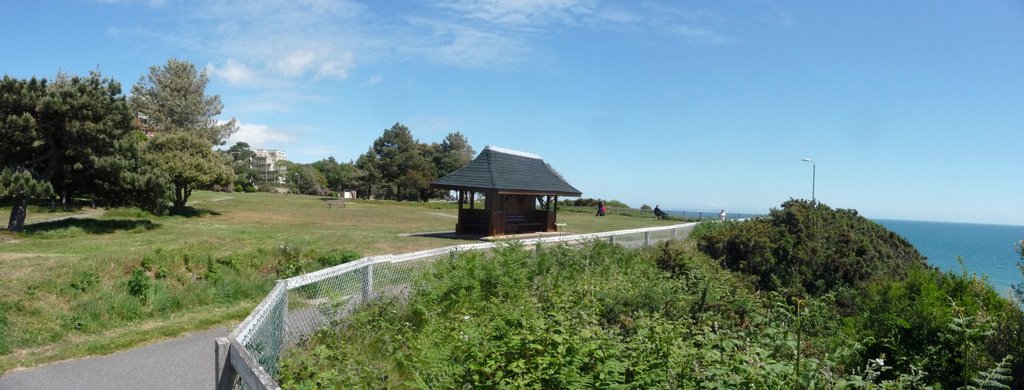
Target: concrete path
181 363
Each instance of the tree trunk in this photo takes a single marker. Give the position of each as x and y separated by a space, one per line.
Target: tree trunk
179 198
18 211
64 200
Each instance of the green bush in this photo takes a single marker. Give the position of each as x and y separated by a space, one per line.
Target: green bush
162 272
83 281
807 247
333 259
139 283
597 317
950 325
146 263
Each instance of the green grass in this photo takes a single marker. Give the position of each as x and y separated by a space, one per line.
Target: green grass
66 290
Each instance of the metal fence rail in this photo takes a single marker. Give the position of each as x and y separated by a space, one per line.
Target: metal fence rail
296 307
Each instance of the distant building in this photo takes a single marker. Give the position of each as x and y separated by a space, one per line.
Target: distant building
266 165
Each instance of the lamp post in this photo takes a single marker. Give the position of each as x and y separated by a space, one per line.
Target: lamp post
814 173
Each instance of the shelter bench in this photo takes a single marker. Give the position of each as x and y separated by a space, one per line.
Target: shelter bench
517 221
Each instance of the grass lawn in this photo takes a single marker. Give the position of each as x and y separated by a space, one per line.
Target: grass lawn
68 288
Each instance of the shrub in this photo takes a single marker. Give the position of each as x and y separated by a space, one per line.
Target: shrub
83 281
289 261
333 259
146 263
139 283
950 325
597 317
806 246
161 272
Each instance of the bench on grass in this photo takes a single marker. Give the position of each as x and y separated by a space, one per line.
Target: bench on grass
335 202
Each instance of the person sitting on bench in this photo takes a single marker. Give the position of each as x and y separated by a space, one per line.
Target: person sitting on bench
658 213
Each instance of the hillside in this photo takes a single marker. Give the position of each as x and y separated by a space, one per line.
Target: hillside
109 279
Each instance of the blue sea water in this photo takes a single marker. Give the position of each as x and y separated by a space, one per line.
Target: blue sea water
986 249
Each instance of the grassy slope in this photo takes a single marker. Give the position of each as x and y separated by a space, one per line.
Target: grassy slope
38 266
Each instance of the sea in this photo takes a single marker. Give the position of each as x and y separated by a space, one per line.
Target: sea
987 250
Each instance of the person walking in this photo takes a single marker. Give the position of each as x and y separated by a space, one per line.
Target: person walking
600 209
721 215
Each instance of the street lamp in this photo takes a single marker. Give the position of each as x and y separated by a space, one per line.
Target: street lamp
814 173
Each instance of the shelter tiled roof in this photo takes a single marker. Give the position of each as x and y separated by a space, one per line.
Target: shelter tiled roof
507 171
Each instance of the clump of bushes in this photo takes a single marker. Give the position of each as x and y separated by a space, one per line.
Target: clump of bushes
292 260
805 247
941 328
807 297
601 316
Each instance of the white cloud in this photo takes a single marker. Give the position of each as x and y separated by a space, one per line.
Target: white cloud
288 44
699 35
520 12
375 79
296 63
234 72
337 67
619 15
259 136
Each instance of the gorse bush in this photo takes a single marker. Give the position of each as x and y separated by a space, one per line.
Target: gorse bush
940 328
807 247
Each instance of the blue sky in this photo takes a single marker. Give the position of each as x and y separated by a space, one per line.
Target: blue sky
913 109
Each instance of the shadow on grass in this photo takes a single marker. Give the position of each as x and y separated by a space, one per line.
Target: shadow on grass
92 226
191 212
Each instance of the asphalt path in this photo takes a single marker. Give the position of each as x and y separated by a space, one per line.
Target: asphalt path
183 363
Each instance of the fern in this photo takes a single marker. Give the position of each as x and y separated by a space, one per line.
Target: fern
997 378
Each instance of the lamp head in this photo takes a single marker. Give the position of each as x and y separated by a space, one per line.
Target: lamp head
807 160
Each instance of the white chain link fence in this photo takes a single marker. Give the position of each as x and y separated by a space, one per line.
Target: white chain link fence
298 306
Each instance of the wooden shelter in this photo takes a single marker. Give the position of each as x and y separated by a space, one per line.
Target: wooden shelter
519 191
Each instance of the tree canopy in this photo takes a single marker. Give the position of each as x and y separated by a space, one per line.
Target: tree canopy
172 98
188 162
397 166
76 135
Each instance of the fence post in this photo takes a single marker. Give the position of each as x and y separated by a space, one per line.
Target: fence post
674 233
647 238
611 239
367 282
224 376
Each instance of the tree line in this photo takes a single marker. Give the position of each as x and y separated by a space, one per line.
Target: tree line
395 167
81 137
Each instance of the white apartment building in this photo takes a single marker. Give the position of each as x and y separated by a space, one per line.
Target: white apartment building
265 163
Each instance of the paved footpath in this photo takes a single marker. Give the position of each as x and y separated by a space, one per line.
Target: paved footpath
181 363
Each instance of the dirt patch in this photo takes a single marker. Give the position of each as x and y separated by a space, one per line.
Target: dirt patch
442 214
15 256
